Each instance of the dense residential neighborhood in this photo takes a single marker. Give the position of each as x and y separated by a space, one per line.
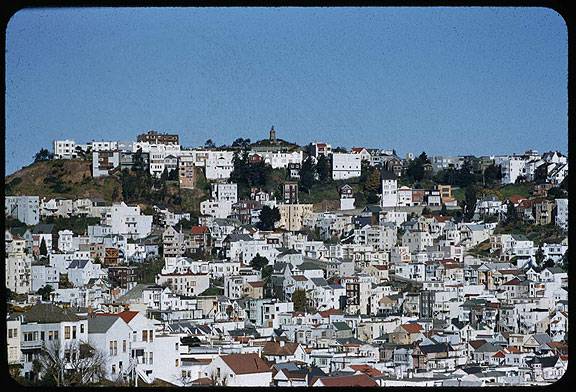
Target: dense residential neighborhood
272 264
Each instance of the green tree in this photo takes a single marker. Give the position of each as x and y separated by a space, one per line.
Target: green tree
444 210
539 255
373 183
43 155
470 199
43 249
209 144
426 211
307 175
511 214
258 262
300 300
268 217
323 168
45 292
492 175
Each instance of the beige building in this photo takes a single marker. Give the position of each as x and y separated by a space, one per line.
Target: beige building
292 215
187 172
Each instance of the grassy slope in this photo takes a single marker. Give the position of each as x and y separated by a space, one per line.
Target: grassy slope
73 174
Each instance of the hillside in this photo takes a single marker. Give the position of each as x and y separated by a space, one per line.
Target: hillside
62 178
72 179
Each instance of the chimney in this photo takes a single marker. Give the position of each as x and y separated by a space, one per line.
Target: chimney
282 342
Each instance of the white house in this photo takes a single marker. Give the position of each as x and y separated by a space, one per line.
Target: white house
111 335
562 214
389 190
24 208
64 149
247 370
346 166
128 221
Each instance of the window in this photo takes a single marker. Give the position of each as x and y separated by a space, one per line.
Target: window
81 328
10 333
124 346
144 336
150 359
55 335
113 369
74 332
42 335
111 348
66 333
15 332
151 334
177 362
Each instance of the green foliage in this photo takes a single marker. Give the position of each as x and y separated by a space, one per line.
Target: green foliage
77 224
415 171
211 291
43 249
300 300
247 175
148 270
556 193
45 292
209 144
307 175
324 169
258 262
43 155
268 217
470 202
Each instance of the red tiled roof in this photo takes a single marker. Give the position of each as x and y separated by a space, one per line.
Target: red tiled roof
516 199
246 363
330 312
275 348
412 327
366 369
360 380
127 315
199 229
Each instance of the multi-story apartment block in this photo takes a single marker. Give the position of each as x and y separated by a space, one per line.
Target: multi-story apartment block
24 208
154 137
389 190
346 166
64 149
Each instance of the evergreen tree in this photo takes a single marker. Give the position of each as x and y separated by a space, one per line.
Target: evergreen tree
258 262
300 300
323 168
268 217
43 249
307 175
470 202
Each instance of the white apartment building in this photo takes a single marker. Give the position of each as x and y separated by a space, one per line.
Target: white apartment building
280 160
24 208
13 341
66 241
216 209
380 237
225 192
389 190
562 214
512 167
404 196
219 165
128 221
346 166
64 149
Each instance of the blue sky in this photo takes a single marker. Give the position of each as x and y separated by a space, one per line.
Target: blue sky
442 80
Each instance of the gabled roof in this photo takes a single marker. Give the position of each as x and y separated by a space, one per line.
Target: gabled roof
412 327
246 363
48 314
101 324
359 380
277 349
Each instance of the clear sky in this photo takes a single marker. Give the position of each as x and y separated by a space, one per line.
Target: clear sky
442 80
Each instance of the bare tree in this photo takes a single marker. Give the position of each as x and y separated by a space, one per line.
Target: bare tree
73 364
